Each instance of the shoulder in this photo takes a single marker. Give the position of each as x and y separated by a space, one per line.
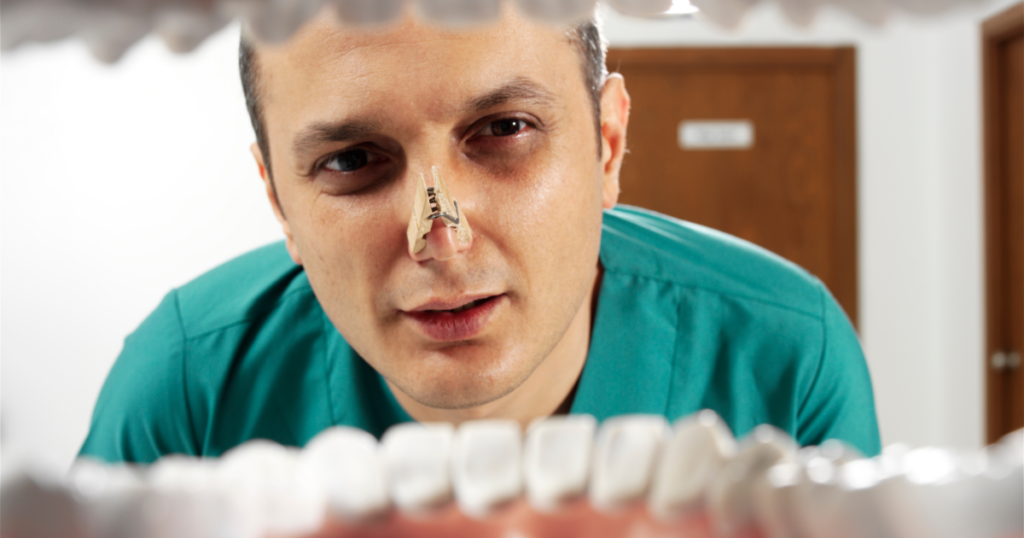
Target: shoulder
239 291
647 244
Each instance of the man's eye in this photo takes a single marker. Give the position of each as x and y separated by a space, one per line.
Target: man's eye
348 161
504 127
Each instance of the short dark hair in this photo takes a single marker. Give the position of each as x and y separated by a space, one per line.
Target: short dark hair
585 36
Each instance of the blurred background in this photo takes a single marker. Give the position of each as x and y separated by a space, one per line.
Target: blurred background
856 151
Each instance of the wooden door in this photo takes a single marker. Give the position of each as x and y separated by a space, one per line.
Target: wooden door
788 183
1003 60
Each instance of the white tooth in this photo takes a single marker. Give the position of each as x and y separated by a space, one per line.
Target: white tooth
193 505
997 492
906 500
641 8
856 511
773 499
185 29
460 12
818 497
816 500
800 13
273 21
696 453
417 458
486 465
725 13
624 457
1010 449
369 12
558 11
729 499
269 490
93 479
114 496
346 464
556 459
41 23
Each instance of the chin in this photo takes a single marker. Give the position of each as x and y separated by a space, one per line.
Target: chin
459 389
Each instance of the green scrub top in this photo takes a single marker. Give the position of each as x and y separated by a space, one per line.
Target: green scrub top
688 318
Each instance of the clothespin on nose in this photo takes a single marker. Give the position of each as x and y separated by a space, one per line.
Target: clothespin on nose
433 203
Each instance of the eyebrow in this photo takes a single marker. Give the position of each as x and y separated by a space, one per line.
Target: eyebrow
323 132
517 89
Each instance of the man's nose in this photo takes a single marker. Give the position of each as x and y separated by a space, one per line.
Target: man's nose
442 244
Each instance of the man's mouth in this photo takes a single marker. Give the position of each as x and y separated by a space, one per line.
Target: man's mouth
453 322
462 308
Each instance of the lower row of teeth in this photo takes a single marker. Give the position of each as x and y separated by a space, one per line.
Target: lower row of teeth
696 467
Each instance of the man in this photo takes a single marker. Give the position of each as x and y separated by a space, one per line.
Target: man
560 302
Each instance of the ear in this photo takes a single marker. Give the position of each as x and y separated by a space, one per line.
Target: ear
614 118
272 196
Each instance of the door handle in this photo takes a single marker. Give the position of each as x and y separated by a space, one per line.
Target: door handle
1003 360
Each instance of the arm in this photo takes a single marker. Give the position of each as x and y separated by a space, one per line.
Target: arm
840 403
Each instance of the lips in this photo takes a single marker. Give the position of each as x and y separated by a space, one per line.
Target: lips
455 321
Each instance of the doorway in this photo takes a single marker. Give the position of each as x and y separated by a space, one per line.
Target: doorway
756 142
1003 72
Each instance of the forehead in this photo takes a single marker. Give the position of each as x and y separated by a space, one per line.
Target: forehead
335 70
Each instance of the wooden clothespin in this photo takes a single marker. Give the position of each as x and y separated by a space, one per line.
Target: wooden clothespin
430 204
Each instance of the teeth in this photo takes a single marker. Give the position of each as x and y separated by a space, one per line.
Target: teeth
460 12
417 461
729 499
558 11
641 8
269 490
557 460
192 506
185 29
624 457
698 450
486 465
369 12
346 464
773 499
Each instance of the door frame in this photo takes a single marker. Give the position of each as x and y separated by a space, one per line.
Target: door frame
841 62
996 30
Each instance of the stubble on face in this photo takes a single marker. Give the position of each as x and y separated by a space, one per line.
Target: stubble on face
534 199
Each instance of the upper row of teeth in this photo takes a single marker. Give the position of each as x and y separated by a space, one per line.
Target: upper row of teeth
261 488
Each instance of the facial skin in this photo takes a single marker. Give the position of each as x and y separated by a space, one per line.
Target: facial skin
353 118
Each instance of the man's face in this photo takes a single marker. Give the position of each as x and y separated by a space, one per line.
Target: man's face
353 118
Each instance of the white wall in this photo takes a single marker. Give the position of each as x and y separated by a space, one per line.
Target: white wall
118 183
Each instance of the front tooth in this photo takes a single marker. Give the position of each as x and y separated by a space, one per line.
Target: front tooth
558 11
556 459
417 457
696 453
185 29
624 456
194 506
641 8
818 496
773 499
729 499
269 490
369 12
460 12
346 464
113 495
486 465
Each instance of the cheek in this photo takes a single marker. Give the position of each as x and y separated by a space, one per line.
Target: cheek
347 243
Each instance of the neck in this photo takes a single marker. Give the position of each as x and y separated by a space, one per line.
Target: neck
550 388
